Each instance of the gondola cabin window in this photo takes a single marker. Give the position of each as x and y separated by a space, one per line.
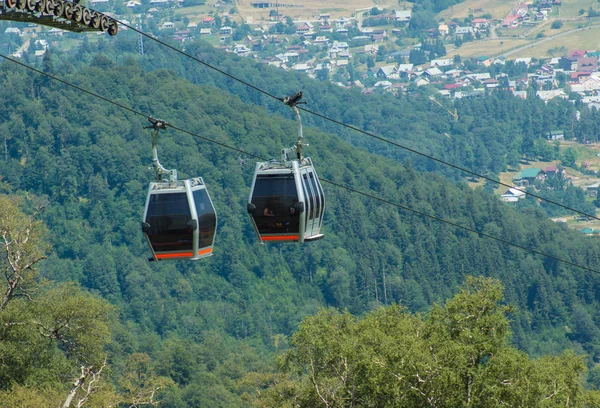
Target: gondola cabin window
206 218
274 197
169 217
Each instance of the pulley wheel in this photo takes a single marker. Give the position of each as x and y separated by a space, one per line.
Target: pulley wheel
86 16
113 28
40 6
77 13
30 6
11 3
49 7
95 23
59 8
68 10
103 23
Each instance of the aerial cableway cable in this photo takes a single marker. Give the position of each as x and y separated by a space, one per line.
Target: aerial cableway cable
333 183
364 132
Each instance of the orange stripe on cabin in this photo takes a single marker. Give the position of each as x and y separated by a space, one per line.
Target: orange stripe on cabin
205 251
281 238
177 255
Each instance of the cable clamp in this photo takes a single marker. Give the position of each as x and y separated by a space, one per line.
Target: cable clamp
156 124
293 100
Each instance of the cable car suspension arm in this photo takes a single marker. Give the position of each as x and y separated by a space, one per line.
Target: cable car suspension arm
292 102
162 174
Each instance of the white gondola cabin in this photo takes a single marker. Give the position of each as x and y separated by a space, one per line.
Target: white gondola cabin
286 201
179 218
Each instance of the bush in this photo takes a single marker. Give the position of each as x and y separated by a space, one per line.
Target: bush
556 25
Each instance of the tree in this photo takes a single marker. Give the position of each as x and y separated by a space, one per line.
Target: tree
49 332
457 355
569 157
556 25
21 244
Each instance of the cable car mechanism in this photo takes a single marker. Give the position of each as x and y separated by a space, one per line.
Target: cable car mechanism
66 15
179 218
286 201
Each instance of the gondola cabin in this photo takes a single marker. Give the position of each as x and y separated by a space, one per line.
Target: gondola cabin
179 220
286 202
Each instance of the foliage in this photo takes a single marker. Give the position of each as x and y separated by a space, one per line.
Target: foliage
205 324
458 355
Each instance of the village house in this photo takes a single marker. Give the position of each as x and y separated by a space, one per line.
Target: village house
526 61
554 170
421 81
587 64
512 195
442 63
528 177
554 93
403 16
480 23
432 72
405 67
555 135
462 31
443 29
591 83
511 21
157 3
577 54
388 72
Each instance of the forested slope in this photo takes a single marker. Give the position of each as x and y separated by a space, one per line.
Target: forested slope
206 323
490 132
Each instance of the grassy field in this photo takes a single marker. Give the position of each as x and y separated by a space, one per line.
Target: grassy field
588 39
488 47
196 13
310 9
497 8
570 8
513 32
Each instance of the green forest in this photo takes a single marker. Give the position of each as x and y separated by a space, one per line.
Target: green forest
89 318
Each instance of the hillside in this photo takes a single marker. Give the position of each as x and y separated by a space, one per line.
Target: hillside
205 324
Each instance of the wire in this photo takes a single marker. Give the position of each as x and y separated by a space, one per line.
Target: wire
364 132
369 195
206 64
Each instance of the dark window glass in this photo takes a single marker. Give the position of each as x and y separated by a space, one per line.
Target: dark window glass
207 219
168 216
317 195
274 197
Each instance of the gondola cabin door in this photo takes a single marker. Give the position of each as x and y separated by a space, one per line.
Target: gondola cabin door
283 204
179 220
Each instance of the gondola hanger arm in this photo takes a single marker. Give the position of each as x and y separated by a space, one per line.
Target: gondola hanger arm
162 174
293 102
